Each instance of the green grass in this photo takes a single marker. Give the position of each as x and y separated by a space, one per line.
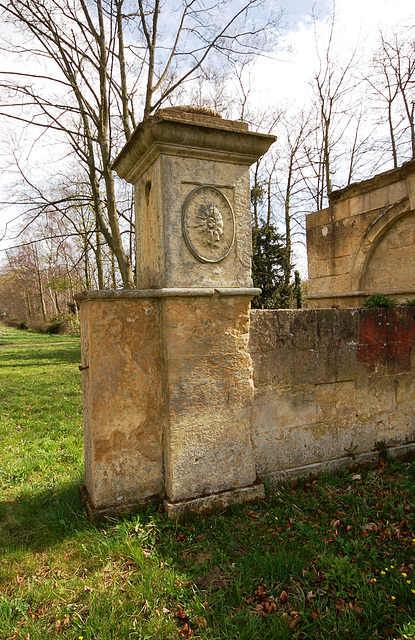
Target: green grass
9 336
324 559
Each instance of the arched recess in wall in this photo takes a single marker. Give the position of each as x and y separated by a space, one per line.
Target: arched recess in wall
386 252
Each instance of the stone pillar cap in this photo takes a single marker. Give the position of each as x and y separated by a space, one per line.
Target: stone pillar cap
189 131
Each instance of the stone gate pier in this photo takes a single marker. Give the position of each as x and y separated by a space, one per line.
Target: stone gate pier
167 377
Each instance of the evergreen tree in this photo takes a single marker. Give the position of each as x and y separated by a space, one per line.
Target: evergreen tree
268 268
270 256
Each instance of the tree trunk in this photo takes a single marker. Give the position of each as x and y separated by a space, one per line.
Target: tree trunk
392 136
287 208
98 261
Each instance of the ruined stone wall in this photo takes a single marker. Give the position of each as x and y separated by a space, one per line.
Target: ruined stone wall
364 242
329 382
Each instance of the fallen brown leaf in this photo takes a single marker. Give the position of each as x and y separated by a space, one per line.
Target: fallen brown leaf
295 622
181 613
200 621
59 624
186 631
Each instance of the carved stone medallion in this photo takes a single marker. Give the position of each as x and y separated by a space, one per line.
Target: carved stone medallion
208 224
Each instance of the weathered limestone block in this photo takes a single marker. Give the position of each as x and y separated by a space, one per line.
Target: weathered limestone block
356 436
192 195
376 199
336 401
375 395
294 447
404 391
122 395
285 407
398 190
209 385
393 264
175 265
398 429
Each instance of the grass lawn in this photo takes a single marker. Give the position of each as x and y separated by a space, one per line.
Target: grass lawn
329 558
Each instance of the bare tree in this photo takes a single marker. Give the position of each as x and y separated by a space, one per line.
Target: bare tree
103 58
335 103
42 273
392 80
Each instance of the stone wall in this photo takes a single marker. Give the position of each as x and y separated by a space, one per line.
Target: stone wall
330 383
364 242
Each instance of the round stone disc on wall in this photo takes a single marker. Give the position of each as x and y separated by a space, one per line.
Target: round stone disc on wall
208 224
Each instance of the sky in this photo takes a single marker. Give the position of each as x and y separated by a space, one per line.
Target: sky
358 23
283 76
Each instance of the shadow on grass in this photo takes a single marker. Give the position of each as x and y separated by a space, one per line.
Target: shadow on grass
38 521
67 354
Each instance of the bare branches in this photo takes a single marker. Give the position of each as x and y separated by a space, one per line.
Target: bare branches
91 59
393 81
224 40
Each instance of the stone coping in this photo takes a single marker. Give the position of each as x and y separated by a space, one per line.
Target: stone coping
190 114
353 294
173 292
380 180
189 135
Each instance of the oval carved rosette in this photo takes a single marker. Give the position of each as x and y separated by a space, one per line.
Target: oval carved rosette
208 223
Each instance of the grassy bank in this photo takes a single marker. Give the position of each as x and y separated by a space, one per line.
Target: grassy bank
332 558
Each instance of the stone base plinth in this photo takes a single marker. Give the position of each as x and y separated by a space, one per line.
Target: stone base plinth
316 469
216 501
101 514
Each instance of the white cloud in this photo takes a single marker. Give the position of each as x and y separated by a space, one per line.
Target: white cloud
357 27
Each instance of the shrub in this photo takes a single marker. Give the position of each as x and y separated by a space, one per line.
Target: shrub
72 324
15 324
37 326
55 326
409 302
379 300
62 324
